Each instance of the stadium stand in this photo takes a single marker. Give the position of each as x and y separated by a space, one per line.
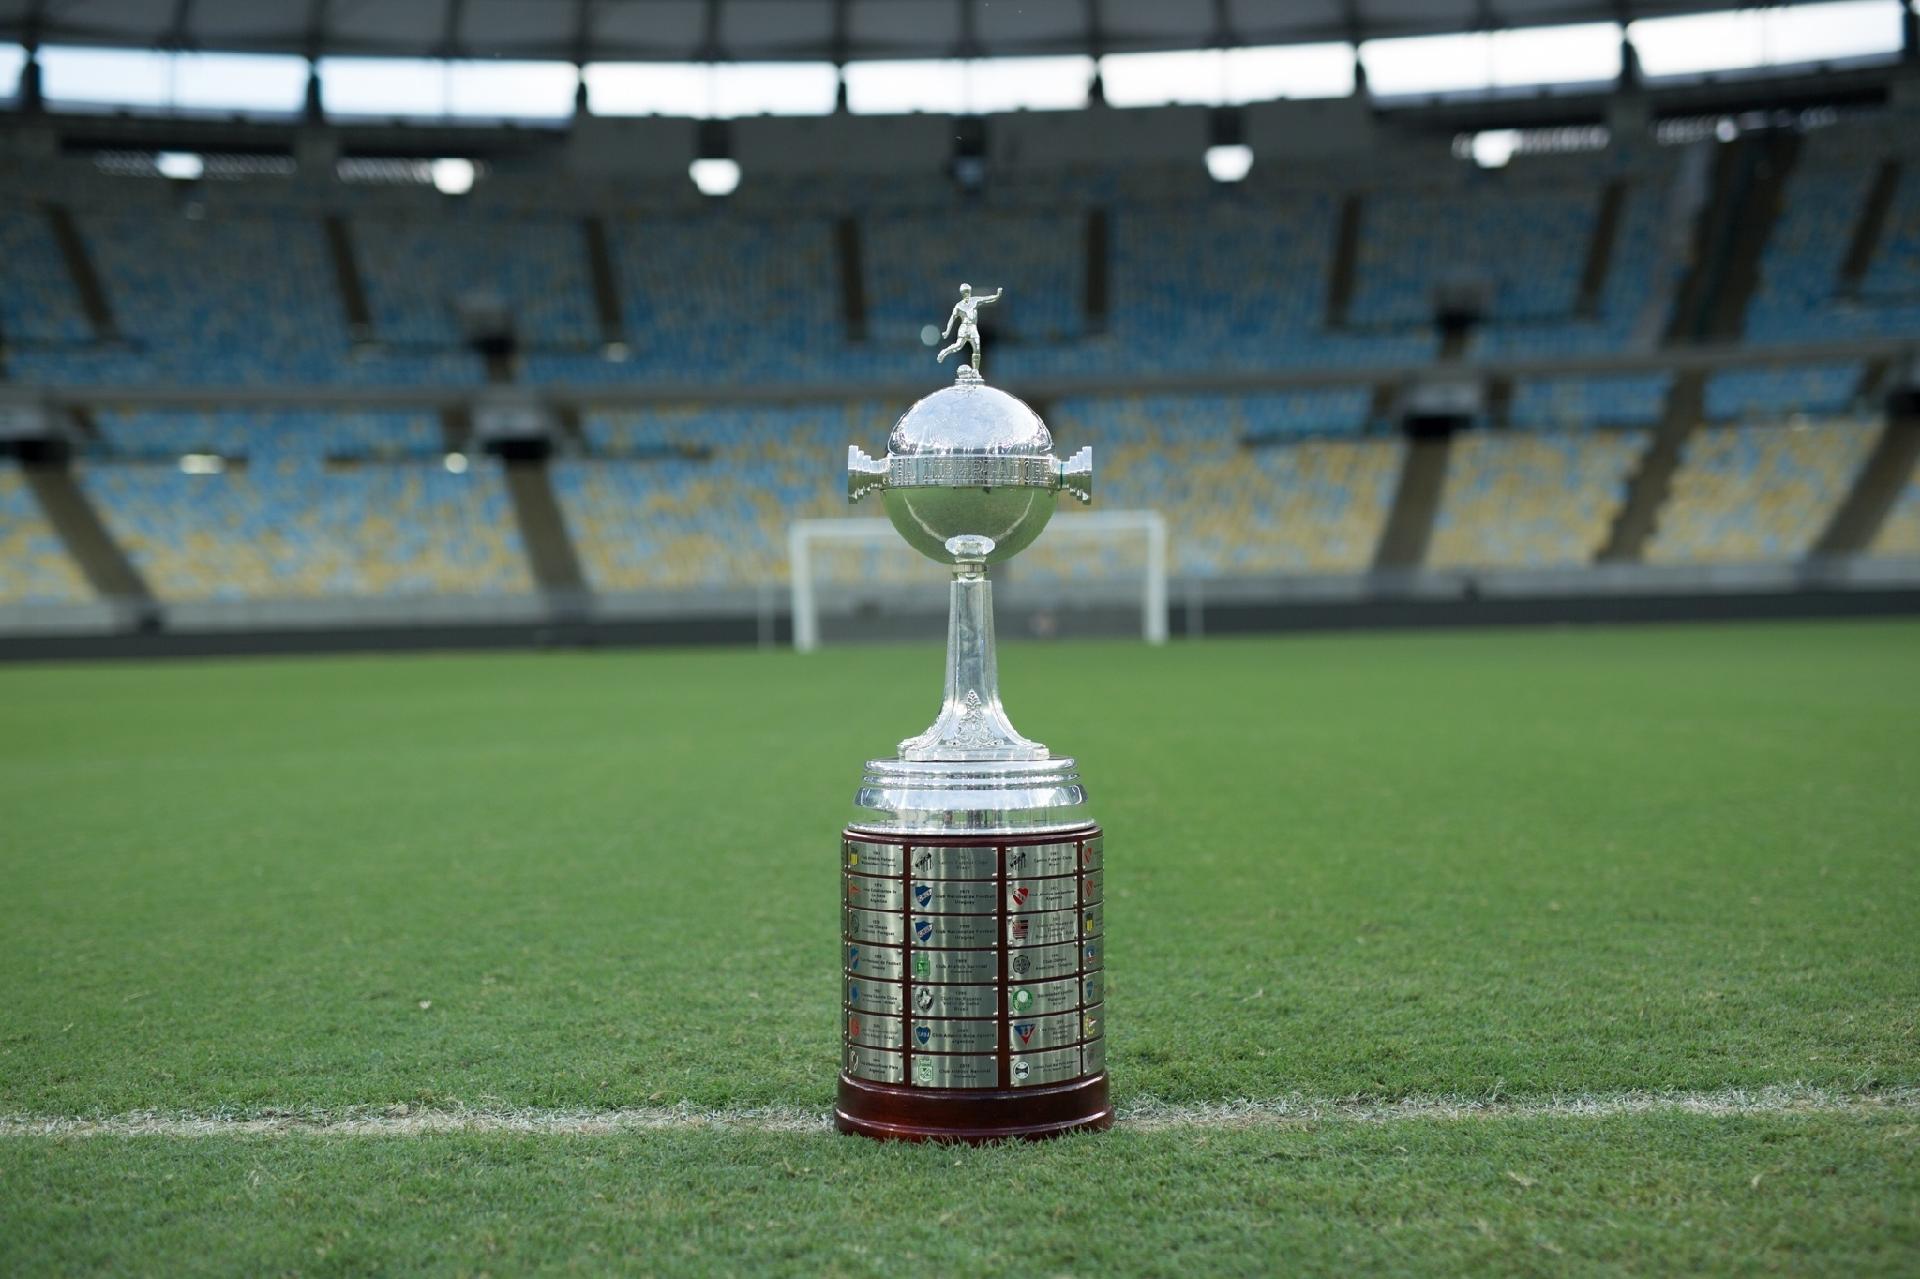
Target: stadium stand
222 298
689 497
1575 403
722 296
1759 393
1752 494
1895 272
238 300
1642 270
1804 293
1522 244
1527 246
293 526
1314 506
37 298
1295 276
1222 283
420 271
719 519
1531 501
34 566
1800 272
165 435
913 256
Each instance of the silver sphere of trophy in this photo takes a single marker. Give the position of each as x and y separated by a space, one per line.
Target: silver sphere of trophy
969 464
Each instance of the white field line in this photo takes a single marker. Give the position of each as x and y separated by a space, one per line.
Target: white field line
1145 1115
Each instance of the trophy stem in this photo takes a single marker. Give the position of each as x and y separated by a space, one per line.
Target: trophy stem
972 724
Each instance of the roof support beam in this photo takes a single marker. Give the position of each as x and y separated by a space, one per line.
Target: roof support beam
32 102
1629 56
450 36
1096 48
36 18
839 47
316 35
1223 36
179 30
315 43
1356 32
582 51
582 32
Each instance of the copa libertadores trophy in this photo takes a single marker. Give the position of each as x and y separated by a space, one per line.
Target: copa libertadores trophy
971 948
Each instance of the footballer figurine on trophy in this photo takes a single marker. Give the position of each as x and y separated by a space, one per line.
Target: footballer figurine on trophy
971 948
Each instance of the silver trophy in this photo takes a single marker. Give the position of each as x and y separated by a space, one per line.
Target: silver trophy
972 869
969 480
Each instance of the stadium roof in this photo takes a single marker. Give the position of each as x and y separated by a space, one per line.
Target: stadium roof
773 30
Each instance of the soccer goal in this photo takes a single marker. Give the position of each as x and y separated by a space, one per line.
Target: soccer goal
1098 554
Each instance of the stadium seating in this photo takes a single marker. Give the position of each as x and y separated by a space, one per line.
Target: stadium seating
38 302
1525 242
1571 403
1802 296
1782 391
1225 283
1758 493
713 297
1531 501
659 519
418 271
1315 506
239 288
243 300
167 434
242 297
915 263
1259 417
1800 269
292 526
1894 274
34 566
1630 310
716 520
242 291
1527 246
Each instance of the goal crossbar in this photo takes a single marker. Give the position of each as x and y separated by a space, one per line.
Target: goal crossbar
804 535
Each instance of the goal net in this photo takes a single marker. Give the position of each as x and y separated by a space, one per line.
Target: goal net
857 574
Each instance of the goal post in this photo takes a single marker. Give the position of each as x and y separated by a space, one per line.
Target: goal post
1144 529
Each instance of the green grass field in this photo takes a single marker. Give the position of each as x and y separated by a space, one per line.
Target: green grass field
1505 868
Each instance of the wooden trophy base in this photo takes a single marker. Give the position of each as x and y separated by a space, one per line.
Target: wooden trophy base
1023 1114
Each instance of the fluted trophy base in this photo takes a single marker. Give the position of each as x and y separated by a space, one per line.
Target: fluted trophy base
974 968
